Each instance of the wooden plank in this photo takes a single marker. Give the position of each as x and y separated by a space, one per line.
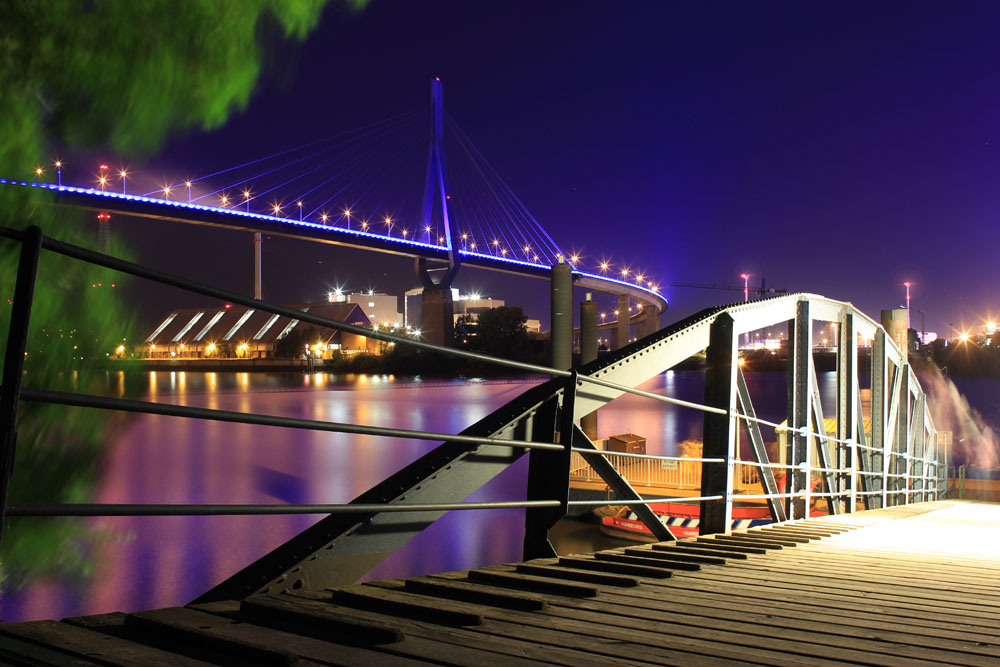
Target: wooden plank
194 626
96 646
712 553
726 540
591 629
680 600
783 540
904 576
709 543
23 653
651 560
528 582
504 635
937 597
475 593
772 636
649 552
815 624
821 598
557 572
407 605
858 598
591 563
99 622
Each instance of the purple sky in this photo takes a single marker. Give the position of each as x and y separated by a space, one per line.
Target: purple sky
837 148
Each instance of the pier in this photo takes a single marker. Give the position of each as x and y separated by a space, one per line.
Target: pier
908 585
300 604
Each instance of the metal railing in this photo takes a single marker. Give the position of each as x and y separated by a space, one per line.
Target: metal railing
560 453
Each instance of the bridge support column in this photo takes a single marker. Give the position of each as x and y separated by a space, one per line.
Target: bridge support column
256 266
901 463
847 407
622 328
640 329
588 353
799 398
562 315
437 321
880 377
720 429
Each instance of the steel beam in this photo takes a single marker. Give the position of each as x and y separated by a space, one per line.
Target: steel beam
799 399
548 478
880 373
257 280
903 429
822 443
891 436
769 485
588 353
621 488
848 404
720 429
863 460
13 363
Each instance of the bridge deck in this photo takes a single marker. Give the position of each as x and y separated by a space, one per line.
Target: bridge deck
911 585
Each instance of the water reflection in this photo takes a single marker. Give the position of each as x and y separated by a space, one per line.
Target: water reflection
165 561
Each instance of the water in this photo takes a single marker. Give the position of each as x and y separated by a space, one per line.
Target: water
163 561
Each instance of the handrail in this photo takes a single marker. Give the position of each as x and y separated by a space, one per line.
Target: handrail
107 261
206 509
148 407
563 386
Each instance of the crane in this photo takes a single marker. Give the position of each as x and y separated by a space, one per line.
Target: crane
763 290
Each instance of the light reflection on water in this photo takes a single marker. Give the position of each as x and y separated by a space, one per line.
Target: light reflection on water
163 561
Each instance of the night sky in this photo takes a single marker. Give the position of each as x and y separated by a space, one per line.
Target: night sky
836 148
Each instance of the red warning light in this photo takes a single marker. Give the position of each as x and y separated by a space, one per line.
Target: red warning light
103 167
229 305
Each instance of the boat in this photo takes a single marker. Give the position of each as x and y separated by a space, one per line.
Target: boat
682 520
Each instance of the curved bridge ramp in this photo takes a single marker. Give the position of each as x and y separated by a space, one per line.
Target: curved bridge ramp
905 586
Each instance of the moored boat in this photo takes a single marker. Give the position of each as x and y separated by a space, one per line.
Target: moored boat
682 520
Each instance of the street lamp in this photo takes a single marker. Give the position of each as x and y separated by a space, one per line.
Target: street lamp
907 285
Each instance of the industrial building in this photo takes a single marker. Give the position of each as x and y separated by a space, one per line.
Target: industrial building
237 331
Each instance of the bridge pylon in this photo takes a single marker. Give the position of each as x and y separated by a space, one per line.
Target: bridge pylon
437 310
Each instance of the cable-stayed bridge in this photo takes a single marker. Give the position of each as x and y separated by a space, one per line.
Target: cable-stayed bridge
364 189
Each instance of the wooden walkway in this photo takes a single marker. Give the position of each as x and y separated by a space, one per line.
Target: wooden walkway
914 585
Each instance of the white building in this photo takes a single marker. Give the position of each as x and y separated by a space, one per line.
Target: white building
381 309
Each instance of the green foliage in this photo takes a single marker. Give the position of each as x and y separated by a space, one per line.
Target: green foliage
466 329
293 344
501 332
75 75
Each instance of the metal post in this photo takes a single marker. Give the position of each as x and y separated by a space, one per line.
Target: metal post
800 397
847 407
562 315
548 474
719 431
767 482
623 321
588 353
903 443
13 367
256 266
880 368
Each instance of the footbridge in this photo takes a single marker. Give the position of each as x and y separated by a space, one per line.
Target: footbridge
676 602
